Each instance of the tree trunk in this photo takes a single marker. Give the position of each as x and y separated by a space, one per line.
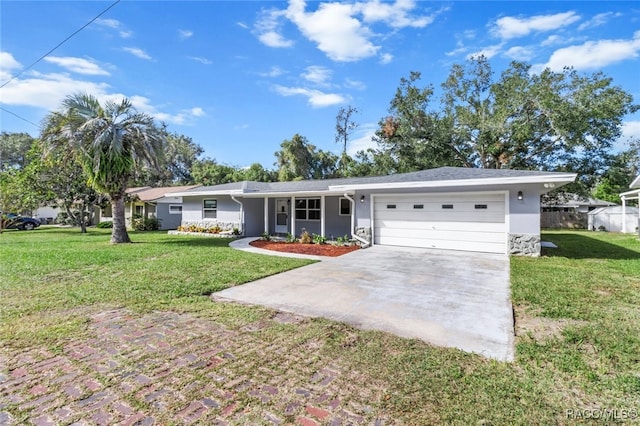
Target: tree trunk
119 232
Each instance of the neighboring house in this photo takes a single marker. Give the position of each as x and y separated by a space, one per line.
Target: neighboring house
634 194
47 214
574 203
610 219
568 210
485 210
147 202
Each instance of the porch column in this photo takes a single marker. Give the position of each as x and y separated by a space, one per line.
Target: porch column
266 214
624 214
322 215
292 214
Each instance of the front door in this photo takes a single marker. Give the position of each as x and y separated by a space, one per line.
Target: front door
282 216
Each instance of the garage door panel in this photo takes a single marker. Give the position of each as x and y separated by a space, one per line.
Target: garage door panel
440 234
485 216
451 245
446 226
473 222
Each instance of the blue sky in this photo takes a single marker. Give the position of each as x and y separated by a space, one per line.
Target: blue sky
239 77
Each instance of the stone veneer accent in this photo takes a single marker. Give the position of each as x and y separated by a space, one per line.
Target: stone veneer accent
524 244
364 233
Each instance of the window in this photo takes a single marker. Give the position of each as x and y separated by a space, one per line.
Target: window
138 210
175 209
447 206
391 206
308 209
345 207
418 206
209 209
481 206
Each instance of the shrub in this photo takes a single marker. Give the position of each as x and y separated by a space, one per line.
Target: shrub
105 225
290 238
319 239
305 238
139 223
265 236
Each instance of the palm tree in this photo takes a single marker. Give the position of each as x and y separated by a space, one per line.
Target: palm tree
111 142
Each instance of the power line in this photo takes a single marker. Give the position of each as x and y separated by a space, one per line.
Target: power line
58 45
16 115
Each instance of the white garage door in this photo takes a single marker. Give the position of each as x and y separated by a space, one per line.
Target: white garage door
460 221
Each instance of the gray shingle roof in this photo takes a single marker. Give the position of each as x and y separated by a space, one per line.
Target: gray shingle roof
429 175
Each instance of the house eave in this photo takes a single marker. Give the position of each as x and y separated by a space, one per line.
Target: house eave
629 194
558 180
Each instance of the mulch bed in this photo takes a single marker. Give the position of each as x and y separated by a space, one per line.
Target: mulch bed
315 249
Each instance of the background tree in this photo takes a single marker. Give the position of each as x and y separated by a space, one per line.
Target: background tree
345 126
209 172
13 150
561 121
56 178
256 173
299 160
111 142
180 156
621 169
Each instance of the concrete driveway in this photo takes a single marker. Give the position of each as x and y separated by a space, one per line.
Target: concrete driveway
447 298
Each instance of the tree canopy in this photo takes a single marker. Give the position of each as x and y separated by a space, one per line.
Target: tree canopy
550 120
111 142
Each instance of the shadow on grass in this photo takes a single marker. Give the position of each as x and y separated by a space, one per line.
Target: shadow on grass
581 246
196 242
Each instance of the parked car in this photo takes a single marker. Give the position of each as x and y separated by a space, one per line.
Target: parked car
14 221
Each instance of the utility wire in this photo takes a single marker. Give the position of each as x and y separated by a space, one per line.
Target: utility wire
16 115
58 45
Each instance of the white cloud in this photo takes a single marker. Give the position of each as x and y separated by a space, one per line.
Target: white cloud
340 30
396 15
115 25
317 74
137 52
386 58
273 72
510 27
185 34
488 52
242 25
200 59
182 117
268 28
354 84
598 20
594 54
364 139
47 91
8 64
77 65
316 98
520 53
334 29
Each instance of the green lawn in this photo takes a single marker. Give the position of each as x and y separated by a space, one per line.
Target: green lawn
577 316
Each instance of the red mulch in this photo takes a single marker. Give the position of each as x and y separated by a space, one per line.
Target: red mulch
315 249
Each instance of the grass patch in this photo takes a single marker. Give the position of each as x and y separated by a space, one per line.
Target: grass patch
577 317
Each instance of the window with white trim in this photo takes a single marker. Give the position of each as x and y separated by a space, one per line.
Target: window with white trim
307 208
344 207
175 209
209 209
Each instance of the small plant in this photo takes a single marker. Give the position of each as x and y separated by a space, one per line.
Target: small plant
305 237
318 239
265 236
236 231
290 238
140 223
216 229
105 225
